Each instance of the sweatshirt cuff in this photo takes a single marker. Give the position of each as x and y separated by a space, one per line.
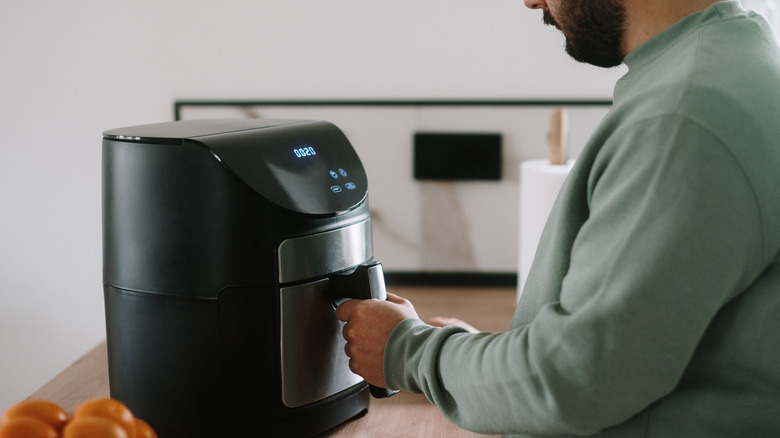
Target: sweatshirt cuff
411 354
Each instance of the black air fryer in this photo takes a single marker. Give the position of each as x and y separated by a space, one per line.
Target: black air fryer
222 242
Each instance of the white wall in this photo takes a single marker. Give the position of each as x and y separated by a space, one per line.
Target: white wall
71 69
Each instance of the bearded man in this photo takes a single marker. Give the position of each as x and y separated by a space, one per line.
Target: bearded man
652 308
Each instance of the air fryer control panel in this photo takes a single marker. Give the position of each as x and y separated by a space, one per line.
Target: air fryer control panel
305 166
312 171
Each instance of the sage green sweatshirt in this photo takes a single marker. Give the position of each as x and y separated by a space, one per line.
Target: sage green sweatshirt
652 308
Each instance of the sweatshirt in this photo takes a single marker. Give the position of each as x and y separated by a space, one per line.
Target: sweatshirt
652 308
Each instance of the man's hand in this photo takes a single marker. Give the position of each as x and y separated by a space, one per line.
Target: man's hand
368 325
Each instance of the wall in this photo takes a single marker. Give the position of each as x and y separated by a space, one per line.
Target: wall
71 69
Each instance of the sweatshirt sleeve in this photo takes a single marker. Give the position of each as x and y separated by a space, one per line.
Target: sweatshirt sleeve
673 233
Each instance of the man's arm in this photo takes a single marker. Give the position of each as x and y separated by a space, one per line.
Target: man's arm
673 234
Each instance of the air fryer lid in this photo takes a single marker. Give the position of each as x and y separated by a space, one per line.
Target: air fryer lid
305 166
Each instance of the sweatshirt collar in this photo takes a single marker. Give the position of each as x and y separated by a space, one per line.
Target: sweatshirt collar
657 45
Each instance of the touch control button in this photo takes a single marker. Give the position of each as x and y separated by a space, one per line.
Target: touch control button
350 186
335 189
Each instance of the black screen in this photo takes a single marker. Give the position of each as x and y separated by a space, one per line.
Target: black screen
457 156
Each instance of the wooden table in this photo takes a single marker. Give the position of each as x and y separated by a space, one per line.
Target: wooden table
403 415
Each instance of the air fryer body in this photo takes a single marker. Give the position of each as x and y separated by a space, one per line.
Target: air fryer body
220 238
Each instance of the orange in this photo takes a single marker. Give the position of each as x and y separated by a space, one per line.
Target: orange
109 408
94 427
143 430
26 427
43 410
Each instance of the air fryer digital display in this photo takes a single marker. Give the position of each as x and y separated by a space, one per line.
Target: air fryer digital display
313 172
306 151
315 182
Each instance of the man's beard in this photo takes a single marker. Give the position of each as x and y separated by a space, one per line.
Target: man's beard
593 30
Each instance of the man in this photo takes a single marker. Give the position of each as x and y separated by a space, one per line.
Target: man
652 308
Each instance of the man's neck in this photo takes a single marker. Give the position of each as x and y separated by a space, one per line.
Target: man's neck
646 19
